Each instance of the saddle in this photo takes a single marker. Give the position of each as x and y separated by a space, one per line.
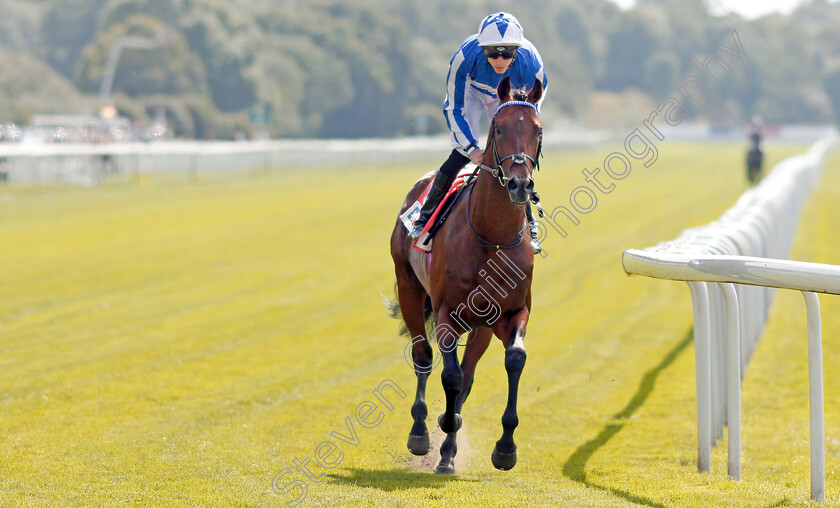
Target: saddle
441 213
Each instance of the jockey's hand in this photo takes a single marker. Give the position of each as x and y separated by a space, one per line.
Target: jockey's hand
476 156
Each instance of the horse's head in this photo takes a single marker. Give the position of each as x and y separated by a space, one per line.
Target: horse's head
516 139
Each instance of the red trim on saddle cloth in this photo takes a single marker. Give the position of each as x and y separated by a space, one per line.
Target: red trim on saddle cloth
456 184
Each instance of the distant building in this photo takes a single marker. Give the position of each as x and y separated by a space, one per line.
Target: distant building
78 129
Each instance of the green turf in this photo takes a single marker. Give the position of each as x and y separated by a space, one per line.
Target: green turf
178 343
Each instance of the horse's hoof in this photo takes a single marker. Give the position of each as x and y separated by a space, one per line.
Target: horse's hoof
442 469
458 422
419 445
503 460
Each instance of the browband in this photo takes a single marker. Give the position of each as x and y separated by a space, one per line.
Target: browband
517 103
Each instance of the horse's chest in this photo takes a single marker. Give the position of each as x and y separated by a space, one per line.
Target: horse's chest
494 288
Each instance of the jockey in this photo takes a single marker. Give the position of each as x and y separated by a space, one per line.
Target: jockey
754 131
499 49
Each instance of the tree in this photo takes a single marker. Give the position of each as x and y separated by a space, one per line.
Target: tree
226 41
29 86
831 85
630 46
67 28
354 68
169 69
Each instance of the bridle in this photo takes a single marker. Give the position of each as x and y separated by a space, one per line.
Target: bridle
516 158
498 173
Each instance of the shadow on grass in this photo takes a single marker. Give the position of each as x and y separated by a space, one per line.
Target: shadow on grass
393 479
575 466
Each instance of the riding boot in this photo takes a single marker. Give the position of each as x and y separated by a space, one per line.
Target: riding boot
439 187
535 230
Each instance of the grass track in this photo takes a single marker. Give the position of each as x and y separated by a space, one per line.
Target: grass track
180 342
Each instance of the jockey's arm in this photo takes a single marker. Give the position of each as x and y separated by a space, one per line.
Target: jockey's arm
461 117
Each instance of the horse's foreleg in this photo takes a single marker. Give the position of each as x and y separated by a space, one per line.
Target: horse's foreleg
452 378
504 454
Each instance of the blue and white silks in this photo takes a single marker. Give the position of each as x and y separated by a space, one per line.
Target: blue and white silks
471 87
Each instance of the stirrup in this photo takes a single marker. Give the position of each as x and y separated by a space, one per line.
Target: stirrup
416 230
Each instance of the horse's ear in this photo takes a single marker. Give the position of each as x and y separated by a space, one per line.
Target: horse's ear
536 92
503 90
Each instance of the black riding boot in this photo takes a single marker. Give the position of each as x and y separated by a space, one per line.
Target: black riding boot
535 230
439 187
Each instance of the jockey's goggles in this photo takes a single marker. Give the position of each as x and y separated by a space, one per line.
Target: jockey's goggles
506 52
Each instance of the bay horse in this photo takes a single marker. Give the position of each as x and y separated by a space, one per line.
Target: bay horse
477 279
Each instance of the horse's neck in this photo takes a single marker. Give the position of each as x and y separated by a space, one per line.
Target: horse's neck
492 214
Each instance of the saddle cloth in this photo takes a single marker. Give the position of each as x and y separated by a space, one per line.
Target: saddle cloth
424 241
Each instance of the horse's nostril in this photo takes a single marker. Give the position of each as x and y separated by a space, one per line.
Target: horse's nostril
512 185
530 185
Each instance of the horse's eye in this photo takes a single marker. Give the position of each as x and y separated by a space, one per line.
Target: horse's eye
498 130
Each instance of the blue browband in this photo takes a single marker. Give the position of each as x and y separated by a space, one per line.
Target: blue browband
517 103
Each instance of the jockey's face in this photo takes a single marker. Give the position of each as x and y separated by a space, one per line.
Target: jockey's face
500 57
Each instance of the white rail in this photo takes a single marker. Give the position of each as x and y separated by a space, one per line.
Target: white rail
93 163
733 267
90 164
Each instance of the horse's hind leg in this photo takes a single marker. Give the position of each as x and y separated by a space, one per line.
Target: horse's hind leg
412 299
448 333
418 437
477 343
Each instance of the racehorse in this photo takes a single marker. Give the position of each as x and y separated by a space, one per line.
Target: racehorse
477 279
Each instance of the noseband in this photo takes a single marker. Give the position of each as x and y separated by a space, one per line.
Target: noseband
516 158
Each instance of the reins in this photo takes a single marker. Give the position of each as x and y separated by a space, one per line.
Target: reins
485 243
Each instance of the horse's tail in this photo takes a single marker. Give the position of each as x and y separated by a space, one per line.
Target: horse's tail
394 311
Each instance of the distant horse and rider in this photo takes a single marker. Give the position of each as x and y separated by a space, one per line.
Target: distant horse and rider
476 279
755 155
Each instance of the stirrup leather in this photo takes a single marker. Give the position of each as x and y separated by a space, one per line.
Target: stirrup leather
438 189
